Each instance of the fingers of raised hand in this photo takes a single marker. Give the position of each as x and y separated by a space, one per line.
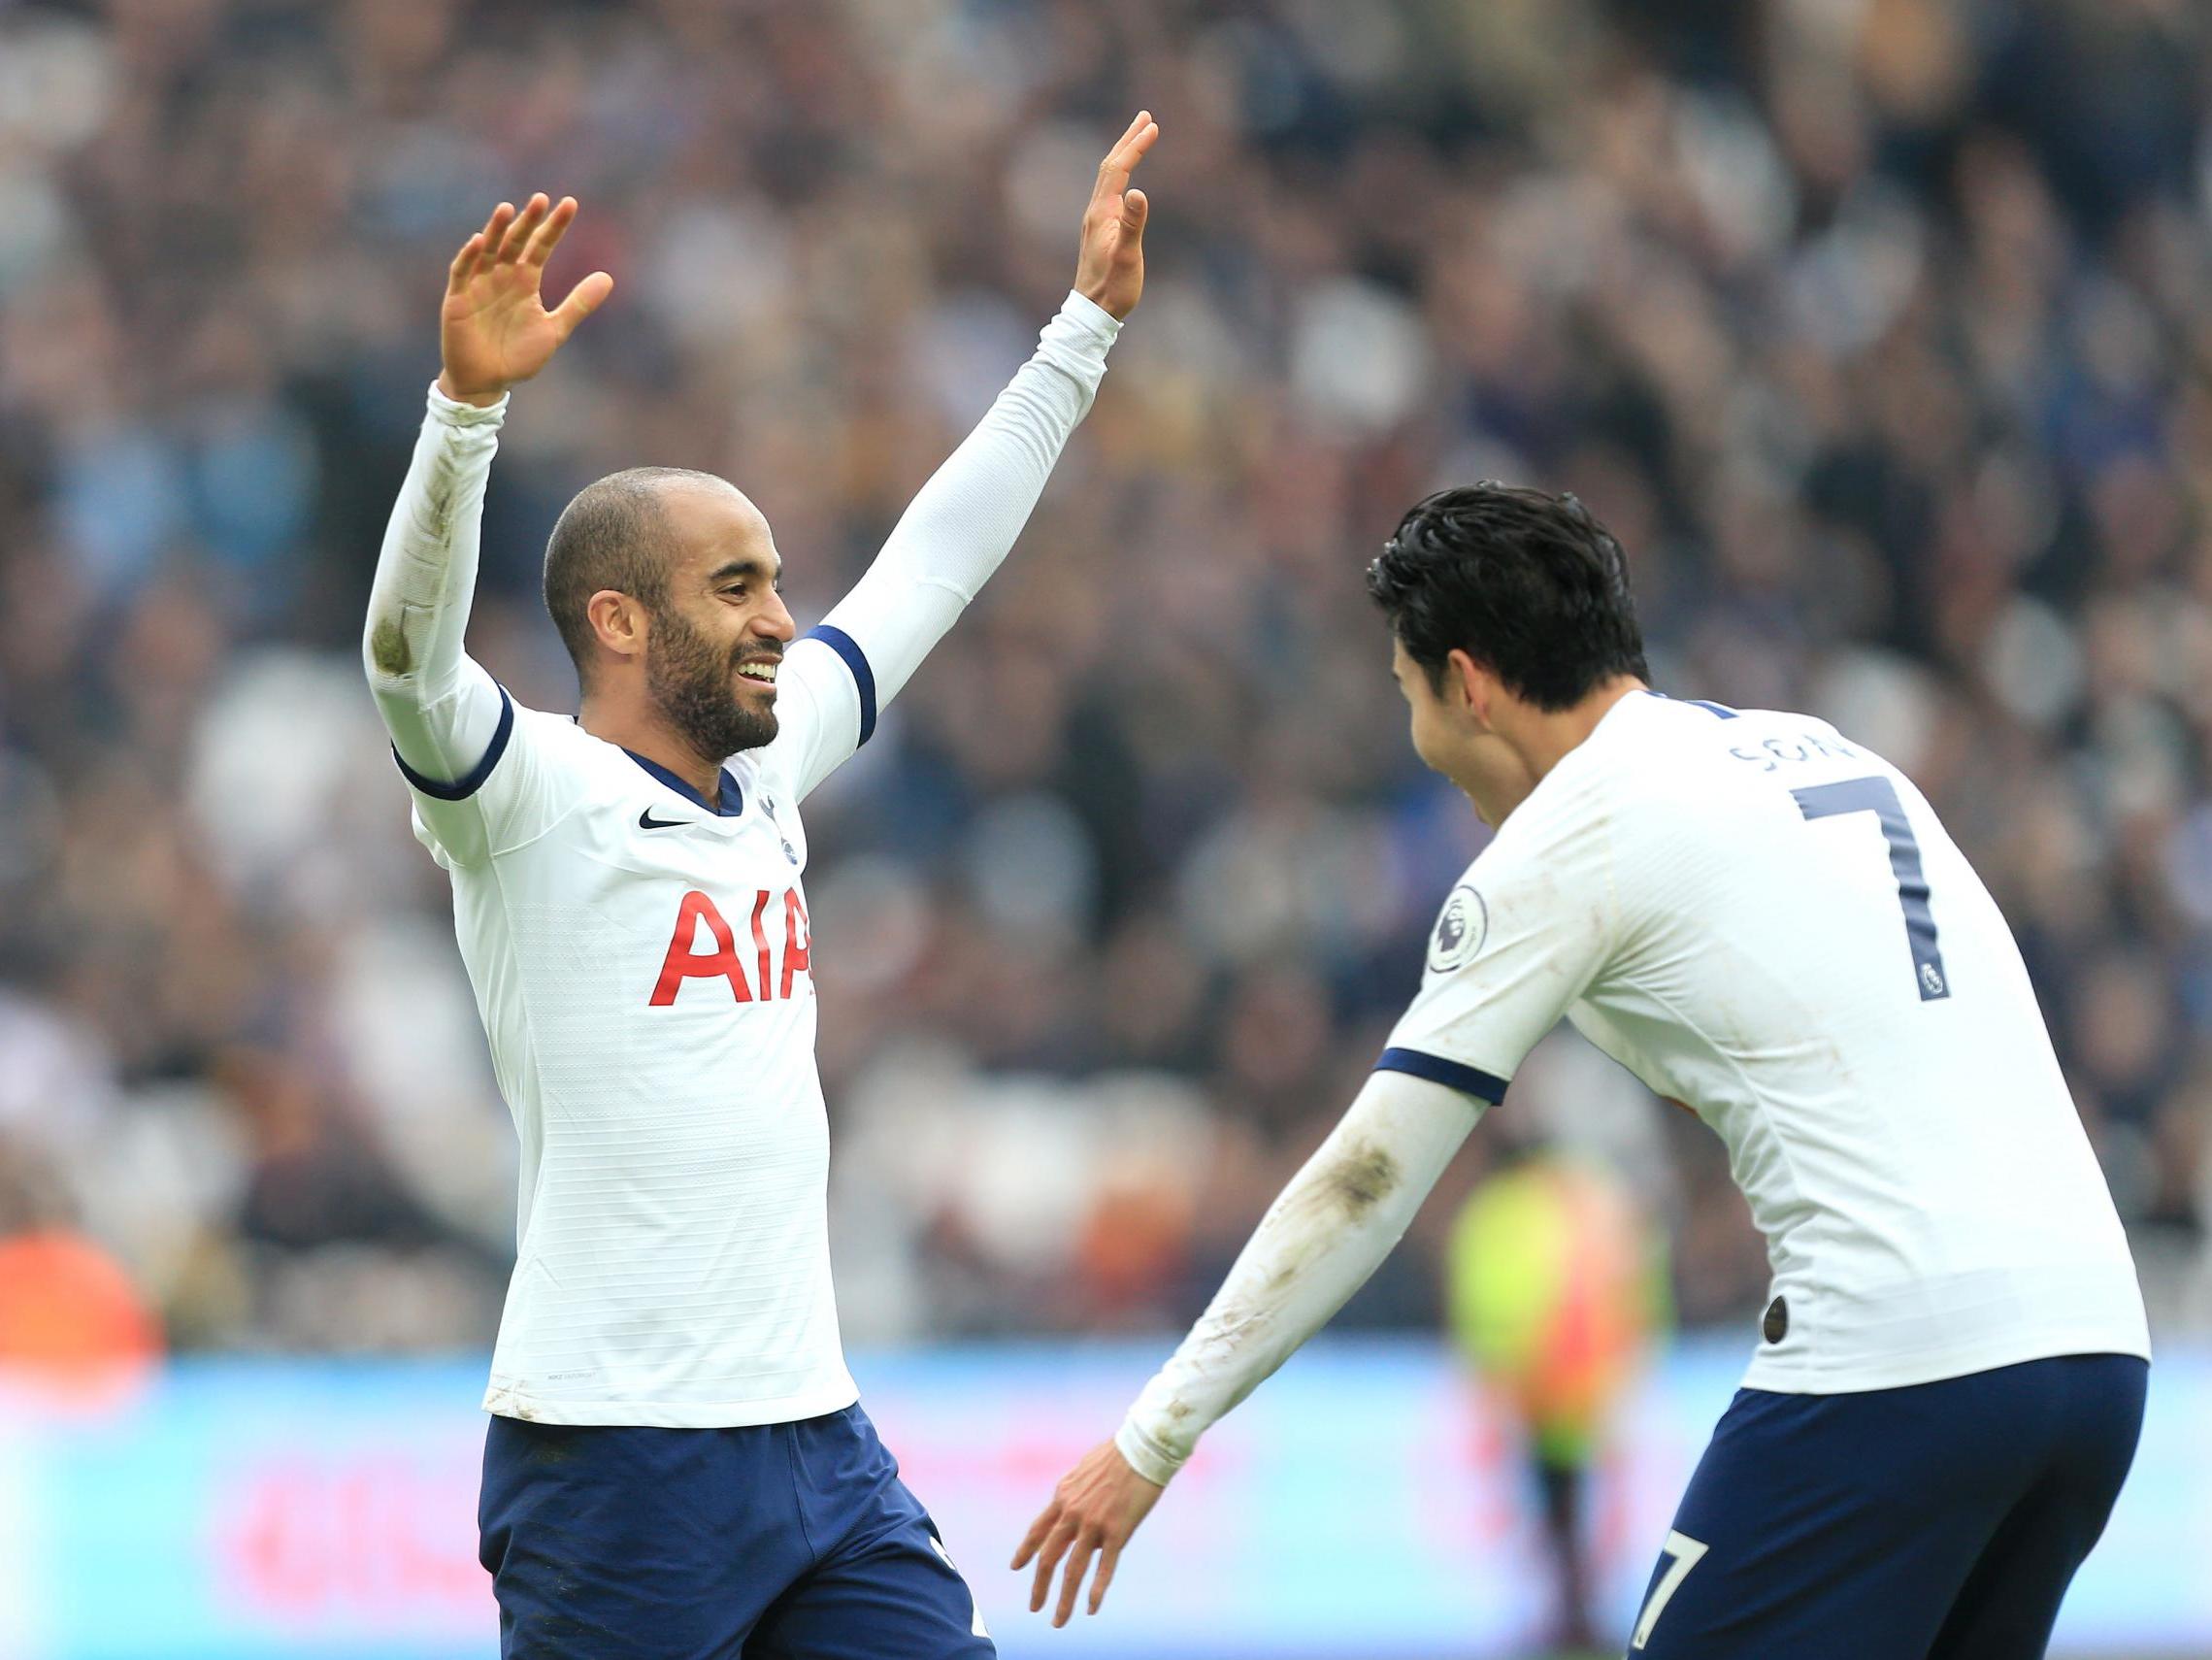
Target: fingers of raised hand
1128 150
547 236
465 263
525 224
583 299
495 234
1136 138
480 249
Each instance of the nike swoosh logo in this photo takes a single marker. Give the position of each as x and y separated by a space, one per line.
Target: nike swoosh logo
647 821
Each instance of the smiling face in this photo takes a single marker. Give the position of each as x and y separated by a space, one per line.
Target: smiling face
714 643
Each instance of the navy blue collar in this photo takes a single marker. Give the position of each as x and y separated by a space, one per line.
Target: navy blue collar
731 803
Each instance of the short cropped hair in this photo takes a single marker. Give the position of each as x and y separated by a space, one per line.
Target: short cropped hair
1528 585
614 535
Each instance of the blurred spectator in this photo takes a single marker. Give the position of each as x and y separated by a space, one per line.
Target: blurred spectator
1877 330
72 1324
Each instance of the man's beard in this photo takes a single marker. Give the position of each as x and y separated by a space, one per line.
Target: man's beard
687 675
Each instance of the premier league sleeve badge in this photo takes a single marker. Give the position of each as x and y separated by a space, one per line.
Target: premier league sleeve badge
1461 928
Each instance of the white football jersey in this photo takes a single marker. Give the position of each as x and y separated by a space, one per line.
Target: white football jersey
641 956
1766 923
644 967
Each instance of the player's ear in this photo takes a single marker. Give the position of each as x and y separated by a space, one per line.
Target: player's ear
617 621
1469 685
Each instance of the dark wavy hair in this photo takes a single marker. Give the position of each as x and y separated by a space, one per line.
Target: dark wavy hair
1528 585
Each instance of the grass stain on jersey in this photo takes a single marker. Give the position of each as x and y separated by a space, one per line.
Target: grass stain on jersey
437 500
1355 1182
387 645
1362 1179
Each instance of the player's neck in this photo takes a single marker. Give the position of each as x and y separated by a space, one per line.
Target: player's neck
643 733
1554 732
1539 739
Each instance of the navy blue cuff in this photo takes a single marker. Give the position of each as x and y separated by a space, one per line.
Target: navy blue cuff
863 676
1466 1080
463 788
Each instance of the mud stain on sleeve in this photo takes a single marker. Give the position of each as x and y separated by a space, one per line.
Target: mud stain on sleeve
1341 1196
440 489
388 648
1361 1180
388 645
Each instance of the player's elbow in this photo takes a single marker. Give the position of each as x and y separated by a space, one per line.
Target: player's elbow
387 656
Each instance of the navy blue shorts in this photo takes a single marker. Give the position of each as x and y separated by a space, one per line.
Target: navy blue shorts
777 1541
1938 1522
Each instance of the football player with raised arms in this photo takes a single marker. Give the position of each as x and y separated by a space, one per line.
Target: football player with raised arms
1766 923
677 1463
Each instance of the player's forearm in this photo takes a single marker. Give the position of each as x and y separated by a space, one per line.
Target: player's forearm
426 572
418 605
1327 1232
959 528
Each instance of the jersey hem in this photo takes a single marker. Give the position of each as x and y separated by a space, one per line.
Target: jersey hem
508 1402
1809 1376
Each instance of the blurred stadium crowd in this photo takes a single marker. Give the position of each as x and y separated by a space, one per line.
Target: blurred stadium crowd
1877 330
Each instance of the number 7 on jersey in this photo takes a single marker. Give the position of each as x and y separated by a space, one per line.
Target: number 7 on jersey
1878 796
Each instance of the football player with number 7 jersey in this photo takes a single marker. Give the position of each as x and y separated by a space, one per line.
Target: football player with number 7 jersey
677 1463
1765 922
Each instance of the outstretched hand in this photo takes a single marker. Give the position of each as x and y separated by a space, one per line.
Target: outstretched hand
1110 269
495 330
1093 1511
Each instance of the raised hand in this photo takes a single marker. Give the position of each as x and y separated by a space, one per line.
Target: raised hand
1110 269
1093 1511
494 330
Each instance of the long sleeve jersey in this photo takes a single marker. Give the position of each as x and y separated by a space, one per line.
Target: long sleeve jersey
641 956
1767 922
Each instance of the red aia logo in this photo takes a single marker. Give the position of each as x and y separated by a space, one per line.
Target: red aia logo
685 962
